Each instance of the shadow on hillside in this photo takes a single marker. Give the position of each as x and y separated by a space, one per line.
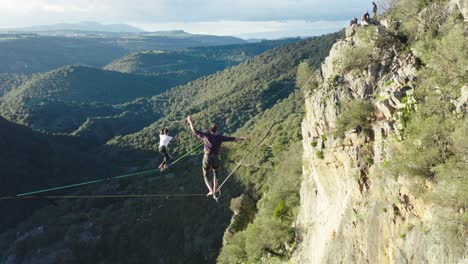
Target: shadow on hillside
47 162
175 229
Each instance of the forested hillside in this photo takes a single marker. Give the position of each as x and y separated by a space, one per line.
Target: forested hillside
9 82
61 100
74 97
30 160
234 96
32 53
192 62
246 98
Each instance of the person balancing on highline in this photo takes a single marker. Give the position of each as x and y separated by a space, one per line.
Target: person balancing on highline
164 140
212 147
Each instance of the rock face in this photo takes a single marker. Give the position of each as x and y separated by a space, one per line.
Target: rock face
462 5
351 212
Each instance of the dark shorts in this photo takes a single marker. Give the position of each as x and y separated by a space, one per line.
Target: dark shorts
210 162
165 154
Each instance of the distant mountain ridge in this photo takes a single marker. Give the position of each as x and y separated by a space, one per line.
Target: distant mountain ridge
81 26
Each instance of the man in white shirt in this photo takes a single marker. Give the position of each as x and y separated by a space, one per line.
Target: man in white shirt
164 140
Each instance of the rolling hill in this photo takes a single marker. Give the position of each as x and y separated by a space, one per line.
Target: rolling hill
75 97
59 101
33 53
193 61
235 95
247 97
9 82
232 95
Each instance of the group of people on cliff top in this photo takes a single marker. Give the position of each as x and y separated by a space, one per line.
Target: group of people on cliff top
365 19
212 141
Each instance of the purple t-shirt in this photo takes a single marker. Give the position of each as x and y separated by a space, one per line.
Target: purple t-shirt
213 142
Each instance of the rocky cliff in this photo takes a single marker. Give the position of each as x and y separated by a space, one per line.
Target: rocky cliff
352 210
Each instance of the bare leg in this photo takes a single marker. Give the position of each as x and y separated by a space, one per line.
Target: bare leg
207 182
215 182
215 169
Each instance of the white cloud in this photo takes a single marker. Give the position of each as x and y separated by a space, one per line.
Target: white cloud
155 11
205 13
53 8
252 29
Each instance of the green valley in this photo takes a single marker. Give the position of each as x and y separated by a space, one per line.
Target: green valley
244 98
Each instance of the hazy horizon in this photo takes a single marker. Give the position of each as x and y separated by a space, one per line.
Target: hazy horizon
245 19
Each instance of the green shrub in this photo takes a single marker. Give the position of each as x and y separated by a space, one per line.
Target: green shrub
371 38
305 77
319 154
281 212
426 145
446 60
244 213
355 115
268 236
324 137
272 228
314 143
234 252
415 23
434 142
354 58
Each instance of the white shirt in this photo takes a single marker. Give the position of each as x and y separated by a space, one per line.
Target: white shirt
164 140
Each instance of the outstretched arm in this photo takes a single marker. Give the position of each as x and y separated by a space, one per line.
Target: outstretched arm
190 121
238 139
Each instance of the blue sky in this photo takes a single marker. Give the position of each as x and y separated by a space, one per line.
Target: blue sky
245 18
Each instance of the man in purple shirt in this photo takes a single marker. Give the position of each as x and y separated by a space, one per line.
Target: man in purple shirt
212 147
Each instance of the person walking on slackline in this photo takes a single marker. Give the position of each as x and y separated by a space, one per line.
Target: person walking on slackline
212 148
164 140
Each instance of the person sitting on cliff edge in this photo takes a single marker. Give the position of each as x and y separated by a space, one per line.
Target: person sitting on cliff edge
365 19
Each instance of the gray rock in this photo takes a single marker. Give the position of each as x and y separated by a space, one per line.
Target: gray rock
349 212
